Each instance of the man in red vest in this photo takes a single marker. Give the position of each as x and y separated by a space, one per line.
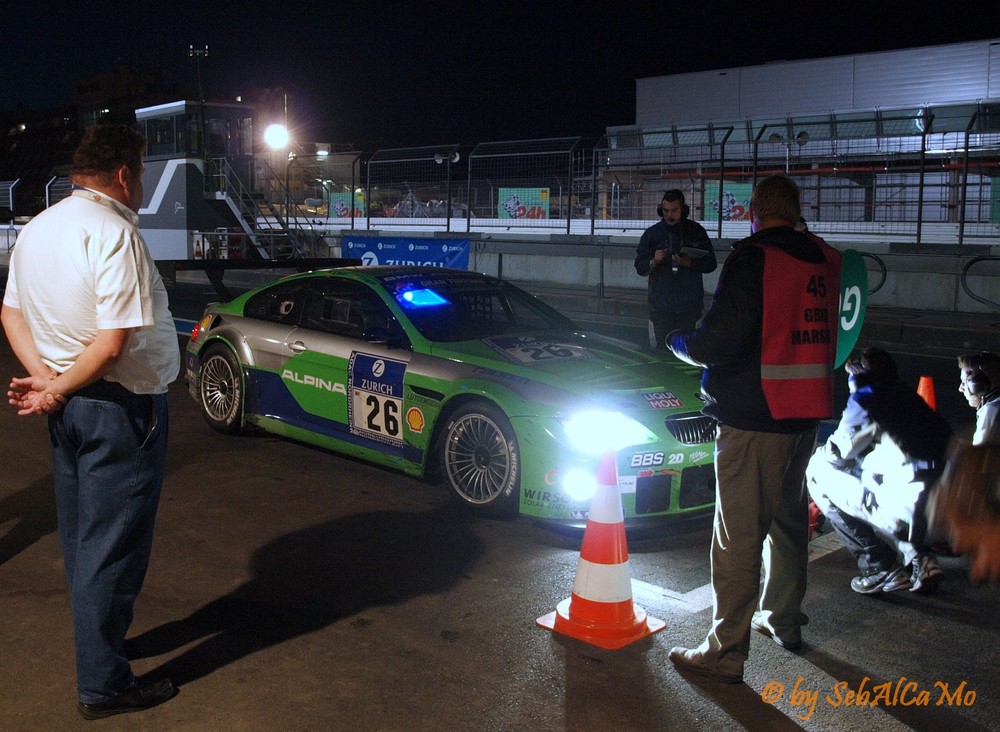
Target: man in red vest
768 345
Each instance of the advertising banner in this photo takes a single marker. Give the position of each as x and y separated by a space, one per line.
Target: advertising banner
341 203
735 200
995 201
372 250
523 203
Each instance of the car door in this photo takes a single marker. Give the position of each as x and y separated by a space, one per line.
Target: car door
349 367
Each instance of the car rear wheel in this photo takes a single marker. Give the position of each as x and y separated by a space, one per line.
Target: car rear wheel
220 389
480 460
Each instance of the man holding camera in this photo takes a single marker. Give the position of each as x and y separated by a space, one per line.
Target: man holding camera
674 253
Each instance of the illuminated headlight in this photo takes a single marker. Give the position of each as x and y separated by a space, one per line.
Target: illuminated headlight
579 484
593 432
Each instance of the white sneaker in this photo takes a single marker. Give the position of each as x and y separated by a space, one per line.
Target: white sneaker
927 573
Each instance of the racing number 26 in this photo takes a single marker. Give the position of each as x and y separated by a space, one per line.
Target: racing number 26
382 415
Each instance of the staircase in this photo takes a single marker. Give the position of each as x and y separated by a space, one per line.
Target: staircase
262 214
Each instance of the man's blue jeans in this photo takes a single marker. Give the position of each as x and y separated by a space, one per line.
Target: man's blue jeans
108 454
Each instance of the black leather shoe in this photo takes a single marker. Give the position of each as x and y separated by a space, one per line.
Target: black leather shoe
137 698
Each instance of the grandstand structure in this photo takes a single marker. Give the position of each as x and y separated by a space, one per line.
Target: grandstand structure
897 153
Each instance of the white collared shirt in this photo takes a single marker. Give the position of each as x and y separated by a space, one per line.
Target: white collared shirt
82 266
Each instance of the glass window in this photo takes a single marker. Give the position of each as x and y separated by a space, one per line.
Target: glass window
472 308
352 310
282 303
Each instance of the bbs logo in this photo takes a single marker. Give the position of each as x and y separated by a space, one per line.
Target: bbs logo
646 459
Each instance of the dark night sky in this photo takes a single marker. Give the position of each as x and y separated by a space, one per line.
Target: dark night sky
389 74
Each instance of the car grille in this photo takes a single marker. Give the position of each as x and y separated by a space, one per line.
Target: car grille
691 429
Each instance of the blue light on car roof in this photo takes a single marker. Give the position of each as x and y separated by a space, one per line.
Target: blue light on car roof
422 298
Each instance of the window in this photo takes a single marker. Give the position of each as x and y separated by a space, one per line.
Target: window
352 310
279 304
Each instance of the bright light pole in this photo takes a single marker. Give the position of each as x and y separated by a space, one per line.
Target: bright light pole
276 136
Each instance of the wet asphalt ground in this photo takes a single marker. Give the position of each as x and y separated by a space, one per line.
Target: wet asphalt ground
292 589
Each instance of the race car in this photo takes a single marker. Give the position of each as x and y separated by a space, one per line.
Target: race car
461 377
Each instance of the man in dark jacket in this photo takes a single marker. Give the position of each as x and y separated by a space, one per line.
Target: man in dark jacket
674 253
767 344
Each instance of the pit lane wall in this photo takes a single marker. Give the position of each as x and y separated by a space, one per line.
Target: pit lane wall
925 277
915 276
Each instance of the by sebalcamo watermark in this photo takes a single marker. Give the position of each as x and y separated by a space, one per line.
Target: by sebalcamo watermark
903 693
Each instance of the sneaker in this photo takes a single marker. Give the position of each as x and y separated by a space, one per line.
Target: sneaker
761 628
927 573
691 660
897 577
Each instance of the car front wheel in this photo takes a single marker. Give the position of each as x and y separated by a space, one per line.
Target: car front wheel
480 460
220 389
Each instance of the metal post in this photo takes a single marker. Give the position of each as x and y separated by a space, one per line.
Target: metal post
593 195
447 222
965 181
368 195
920 188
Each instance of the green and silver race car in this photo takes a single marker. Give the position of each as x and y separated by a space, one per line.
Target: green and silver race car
458 376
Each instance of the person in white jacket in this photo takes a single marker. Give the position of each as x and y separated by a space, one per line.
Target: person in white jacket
873 477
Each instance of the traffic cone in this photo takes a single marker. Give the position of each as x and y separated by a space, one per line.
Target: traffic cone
925 388
600 611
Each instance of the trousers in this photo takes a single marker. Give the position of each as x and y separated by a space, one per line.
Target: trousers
761 519
108 458
880 518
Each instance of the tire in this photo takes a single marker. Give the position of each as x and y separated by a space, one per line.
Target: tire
220 390
480 460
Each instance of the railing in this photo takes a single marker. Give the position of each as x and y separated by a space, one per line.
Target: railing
893 177
260 213
965 280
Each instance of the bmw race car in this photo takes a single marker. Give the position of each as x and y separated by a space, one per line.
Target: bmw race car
458 376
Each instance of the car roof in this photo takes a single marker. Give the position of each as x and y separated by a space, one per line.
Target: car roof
385 274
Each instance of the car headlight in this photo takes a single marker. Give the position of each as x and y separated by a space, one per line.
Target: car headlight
596 431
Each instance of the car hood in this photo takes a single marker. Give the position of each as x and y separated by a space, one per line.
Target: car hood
581 362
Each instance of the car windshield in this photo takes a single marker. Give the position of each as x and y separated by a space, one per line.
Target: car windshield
461 308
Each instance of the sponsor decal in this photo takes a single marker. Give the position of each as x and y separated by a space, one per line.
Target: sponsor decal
531 351
698 455
376 402
655 460
310 380
415 420
662 400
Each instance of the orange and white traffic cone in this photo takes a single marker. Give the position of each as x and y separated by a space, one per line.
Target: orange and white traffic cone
600 611
925 388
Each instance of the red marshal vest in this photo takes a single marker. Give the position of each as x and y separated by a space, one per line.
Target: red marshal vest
799 334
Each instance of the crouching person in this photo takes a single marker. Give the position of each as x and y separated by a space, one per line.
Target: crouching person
873 477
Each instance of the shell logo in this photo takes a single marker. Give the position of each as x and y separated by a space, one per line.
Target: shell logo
415 420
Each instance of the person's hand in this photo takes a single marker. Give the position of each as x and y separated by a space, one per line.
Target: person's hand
34 395
681 260
658 256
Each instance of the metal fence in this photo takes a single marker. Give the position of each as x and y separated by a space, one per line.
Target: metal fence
921 176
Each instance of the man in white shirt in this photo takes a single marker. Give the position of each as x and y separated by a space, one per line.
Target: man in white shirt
86 314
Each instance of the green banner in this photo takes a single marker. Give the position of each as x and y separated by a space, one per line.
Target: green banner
523 203
995 201
735 200
853 301
342 203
